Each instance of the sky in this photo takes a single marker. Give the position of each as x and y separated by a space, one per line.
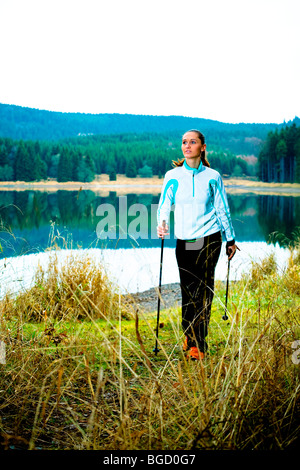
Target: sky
227 60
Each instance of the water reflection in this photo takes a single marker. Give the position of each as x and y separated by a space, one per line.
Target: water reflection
281 215
32 220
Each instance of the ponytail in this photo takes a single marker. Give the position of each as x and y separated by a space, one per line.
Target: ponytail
204 160
178 162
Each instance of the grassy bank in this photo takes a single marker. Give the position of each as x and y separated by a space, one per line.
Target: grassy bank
79 370
154 184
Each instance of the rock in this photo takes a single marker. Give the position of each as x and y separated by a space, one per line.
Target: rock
147 301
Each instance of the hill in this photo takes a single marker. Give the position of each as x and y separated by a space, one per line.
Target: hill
22 123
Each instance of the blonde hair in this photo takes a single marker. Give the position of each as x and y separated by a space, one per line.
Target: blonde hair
204 160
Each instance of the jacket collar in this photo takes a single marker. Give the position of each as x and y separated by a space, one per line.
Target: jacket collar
195 171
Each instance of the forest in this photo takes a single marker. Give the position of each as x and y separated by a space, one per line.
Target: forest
81 158
36 145
279 159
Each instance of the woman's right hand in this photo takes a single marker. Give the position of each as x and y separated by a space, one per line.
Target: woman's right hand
162 230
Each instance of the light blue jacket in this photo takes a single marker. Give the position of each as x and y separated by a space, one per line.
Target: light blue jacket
201 206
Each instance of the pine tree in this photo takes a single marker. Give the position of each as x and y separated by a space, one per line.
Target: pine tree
6 173
278 159
146 171
130 171
64 170
297 158
86 172
75 165
281 154
23 164
112 173
40 168
3 153
90 164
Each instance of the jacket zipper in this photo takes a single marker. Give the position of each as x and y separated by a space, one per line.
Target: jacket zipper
193 185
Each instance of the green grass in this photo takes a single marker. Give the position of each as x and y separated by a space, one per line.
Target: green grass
80 370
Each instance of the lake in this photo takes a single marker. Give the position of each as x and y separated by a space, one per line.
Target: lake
121 230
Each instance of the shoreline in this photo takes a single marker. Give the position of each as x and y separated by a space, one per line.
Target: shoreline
152 185
134 272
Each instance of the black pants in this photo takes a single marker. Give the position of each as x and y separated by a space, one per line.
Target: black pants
197 262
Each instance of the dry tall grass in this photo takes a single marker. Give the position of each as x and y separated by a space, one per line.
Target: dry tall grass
79 375
78 289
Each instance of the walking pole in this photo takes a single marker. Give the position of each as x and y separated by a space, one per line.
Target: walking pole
225 317
159 289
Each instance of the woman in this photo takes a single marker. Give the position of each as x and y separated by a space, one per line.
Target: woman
202 218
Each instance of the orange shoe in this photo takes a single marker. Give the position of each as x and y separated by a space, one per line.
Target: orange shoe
195 354
185 344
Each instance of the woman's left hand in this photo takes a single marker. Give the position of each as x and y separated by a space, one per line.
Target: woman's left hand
230 251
